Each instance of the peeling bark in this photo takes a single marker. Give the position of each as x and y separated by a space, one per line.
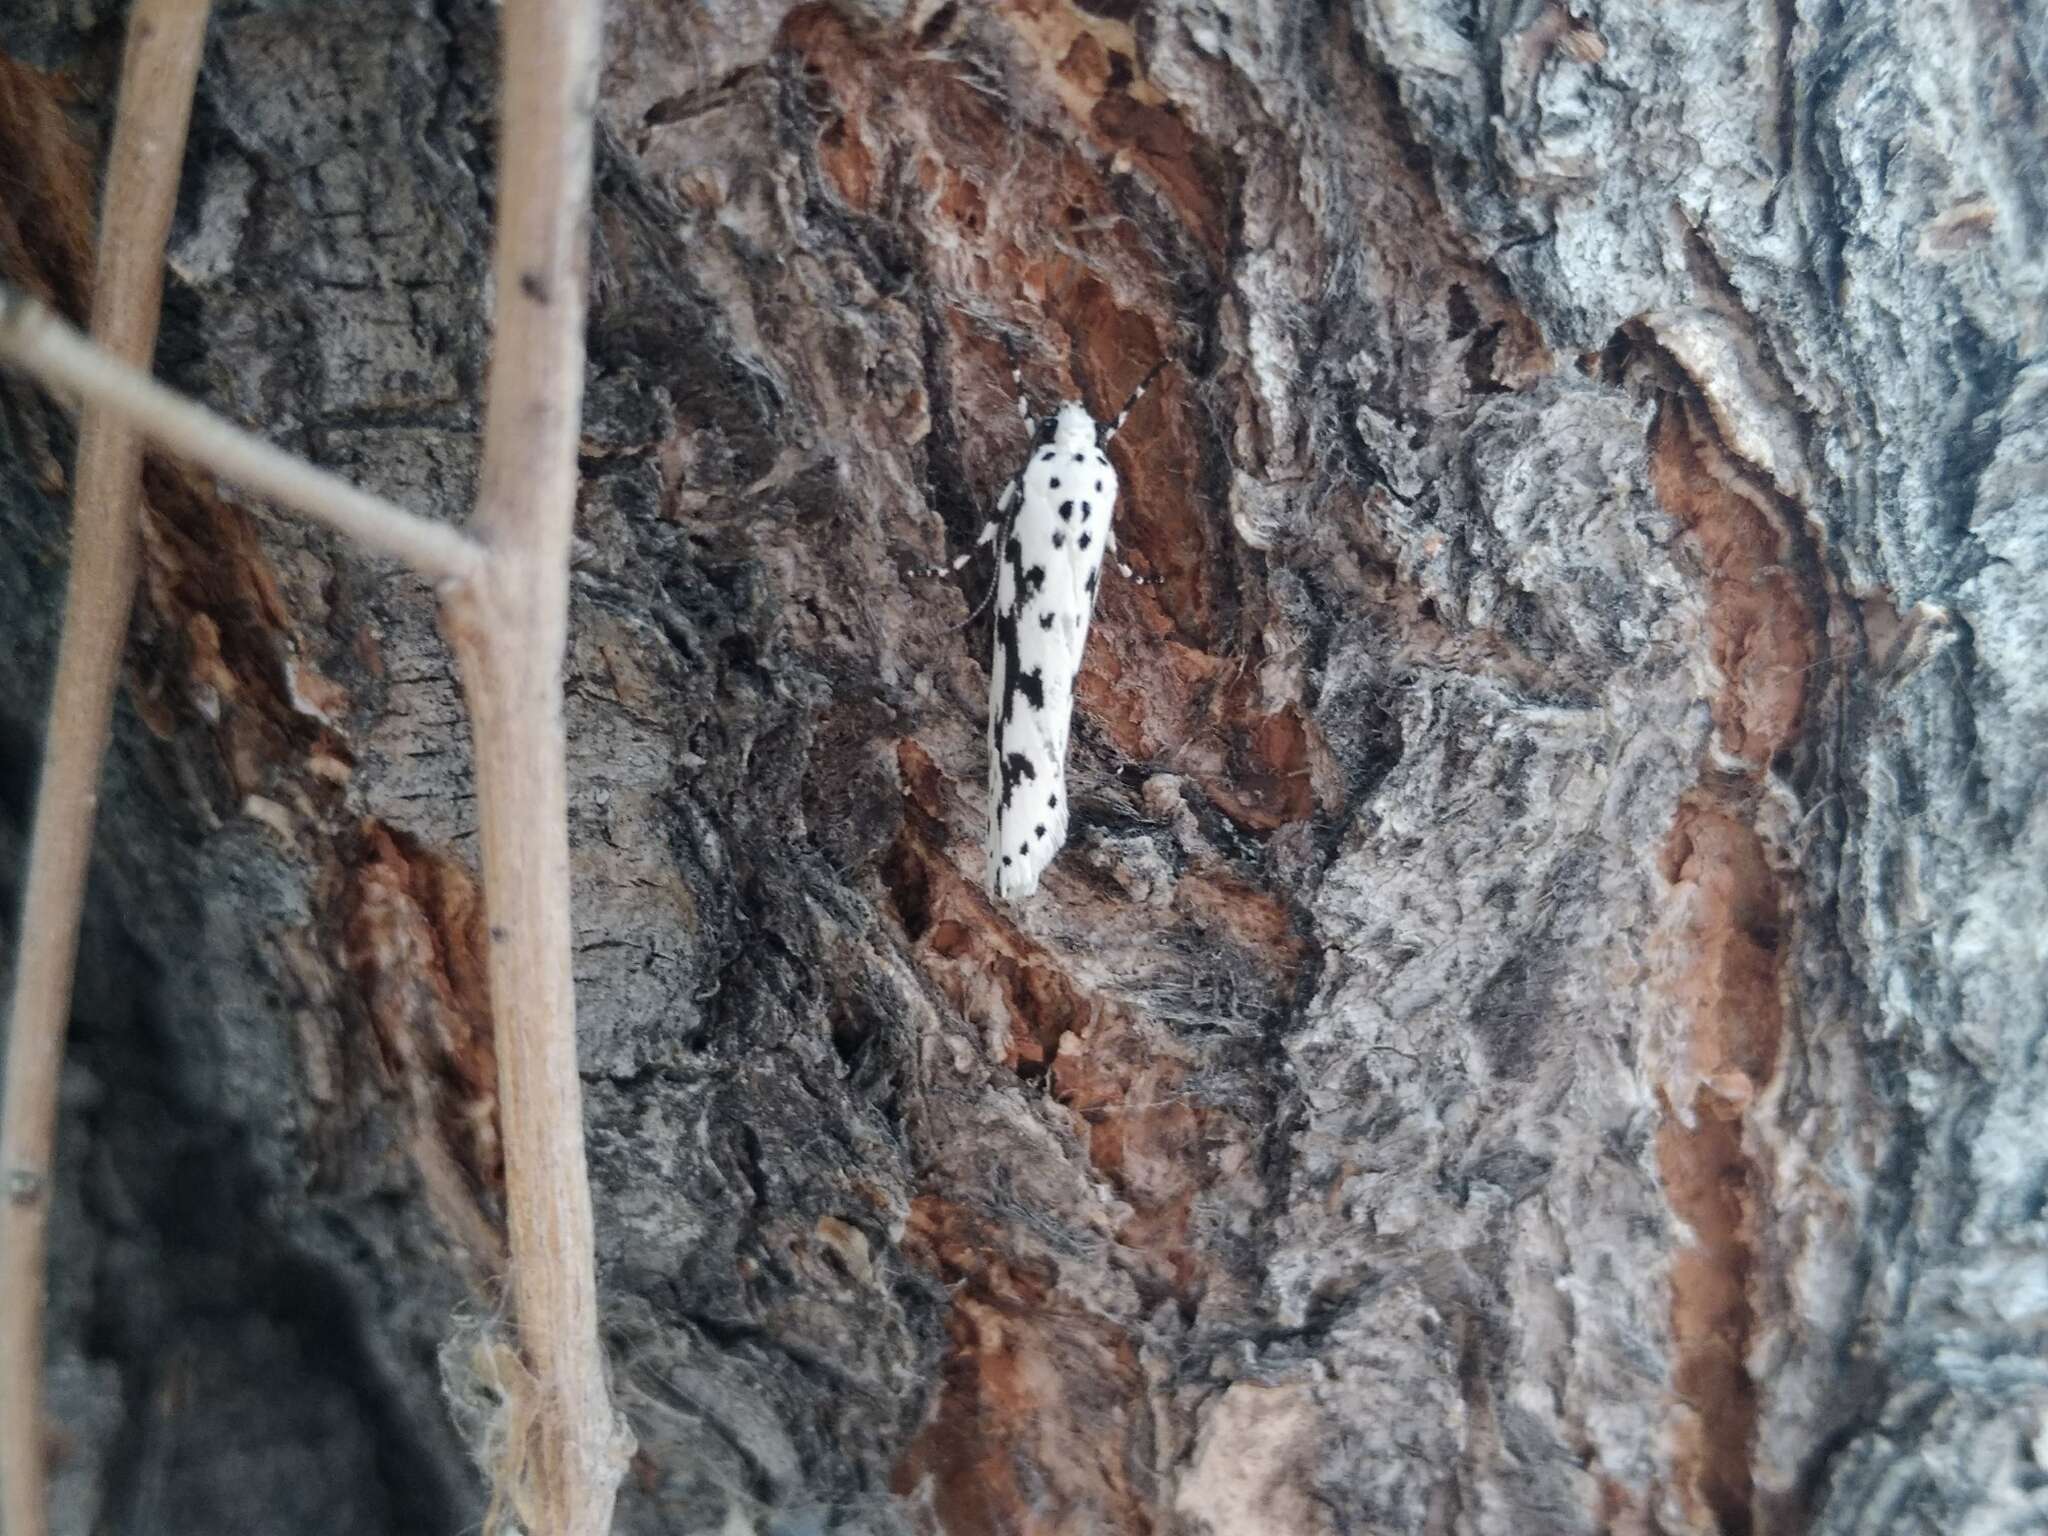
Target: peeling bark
1537 1026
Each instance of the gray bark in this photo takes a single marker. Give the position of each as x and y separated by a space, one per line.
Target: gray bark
1539 1027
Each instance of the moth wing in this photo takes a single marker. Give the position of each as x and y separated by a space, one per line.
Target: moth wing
1039 633
1045 597
1027 831
1027 774
1090 535
1071 590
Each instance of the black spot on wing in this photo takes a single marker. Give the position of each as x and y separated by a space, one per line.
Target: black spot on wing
1058 539
1083 541
1066 511
1014 768
1045 619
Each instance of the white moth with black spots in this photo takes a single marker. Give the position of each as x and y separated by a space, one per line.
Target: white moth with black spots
1051 530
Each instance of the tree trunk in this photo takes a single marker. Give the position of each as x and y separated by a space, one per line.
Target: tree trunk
1538 1026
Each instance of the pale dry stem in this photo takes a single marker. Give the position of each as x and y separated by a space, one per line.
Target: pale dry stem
508 626
159 72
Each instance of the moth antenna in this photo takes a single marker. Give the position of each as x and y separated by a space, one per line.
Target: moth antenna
1006 509
988 596
926 572
1131 404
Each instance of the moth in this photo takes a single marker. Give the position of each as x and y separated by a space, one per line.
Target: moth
1051 528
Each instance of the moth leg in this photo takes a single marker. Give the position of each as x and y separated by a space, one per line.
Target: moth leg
989 530
1017 381
1131 404
1005 516
1109 548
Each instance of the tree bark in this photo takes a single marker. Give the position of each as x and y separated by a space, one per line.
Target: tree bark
1538 1025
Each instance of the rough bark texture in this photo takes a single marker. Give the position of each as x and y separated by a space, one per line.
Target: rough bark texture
1540 1026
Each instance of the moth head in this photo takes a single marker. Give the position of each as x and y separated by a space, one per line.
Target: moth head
1071 427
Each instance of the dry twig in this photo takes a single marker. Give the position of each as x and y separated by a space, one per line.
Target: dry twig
158 75
43 346
508 626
